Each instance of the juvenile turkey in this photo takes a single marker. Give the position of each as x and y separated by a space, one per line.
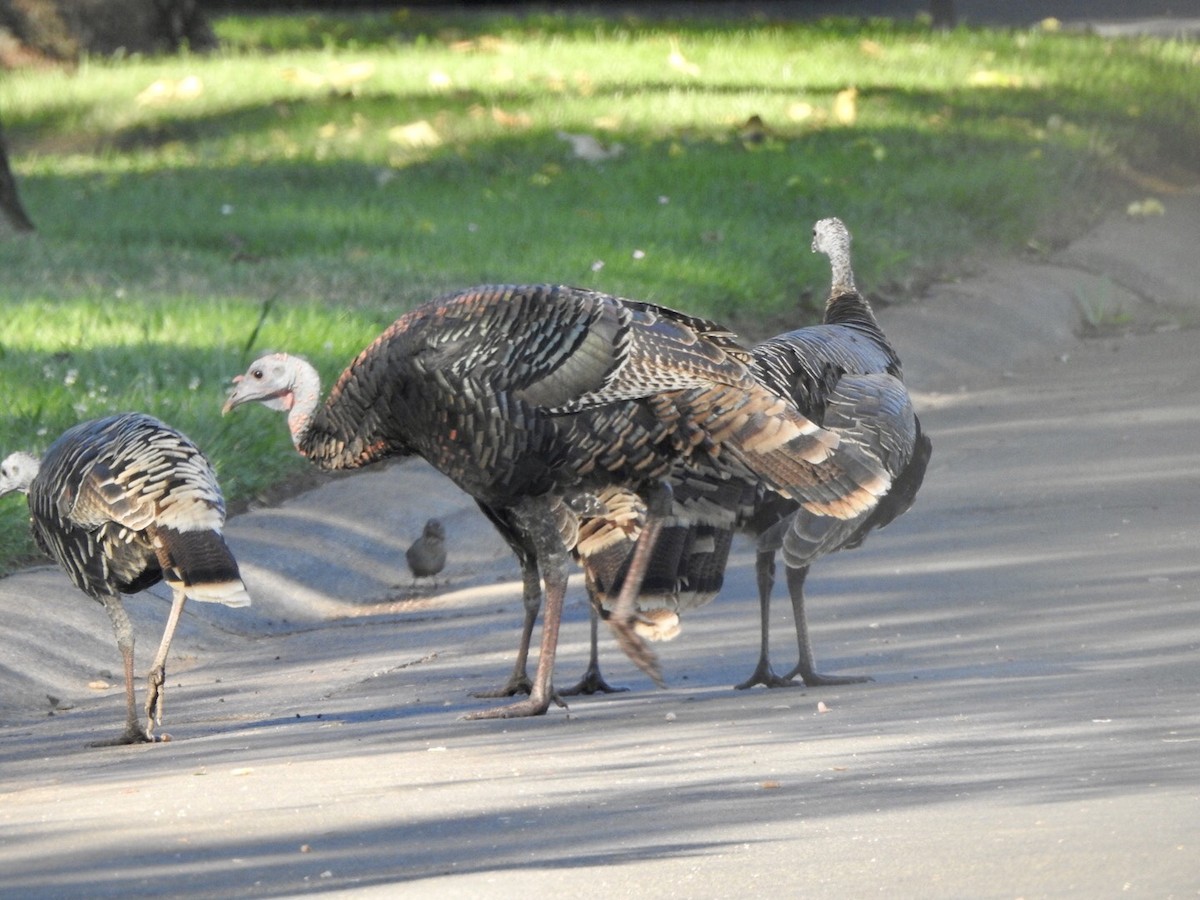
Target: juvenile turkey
530 397
684 571
842 374
426 556
122 503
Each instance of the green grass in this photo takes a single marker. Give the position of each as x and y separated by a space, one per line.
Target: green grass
177 198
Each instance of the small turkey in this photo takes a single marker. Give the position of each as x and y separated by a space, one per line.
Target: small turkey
122 503
426 556
684 571
844 375
529 397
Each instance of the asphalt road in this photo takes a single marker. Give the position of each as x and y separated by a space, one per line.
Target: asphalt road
1032 627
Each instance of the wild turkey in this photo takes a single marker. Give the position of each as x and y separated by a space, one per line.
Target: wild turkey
529 397
684 571
842 374
426 556
122 503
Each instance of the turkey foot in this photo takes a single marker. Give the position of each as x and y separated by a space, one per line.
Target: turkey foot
763 674
516 684
520 709
592 682
816 679
133 735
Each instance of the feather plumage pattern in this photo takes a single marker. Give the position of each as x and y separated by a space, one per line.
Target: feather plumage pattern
842 375
529 396
124 502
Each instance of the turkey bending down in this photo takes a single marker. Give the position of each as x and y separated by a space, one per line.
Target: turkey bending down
531 397
842 374
122 503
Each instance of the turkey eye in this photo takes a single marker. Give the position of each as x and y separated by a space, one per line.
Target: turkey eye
257 374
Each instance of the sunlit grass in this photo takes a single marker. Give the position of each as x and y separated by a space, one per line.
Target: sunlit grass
336 170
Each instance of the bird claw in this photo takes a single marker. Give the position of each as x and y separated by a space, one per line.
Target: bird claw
516 684
816 679
592 682
763 674
133 735
521 709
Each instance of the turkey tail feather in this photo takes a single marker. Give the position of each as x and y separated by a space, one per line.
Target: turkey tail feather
200 564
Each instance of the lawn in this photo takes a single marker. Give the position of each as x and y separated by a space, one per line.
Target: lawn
321 174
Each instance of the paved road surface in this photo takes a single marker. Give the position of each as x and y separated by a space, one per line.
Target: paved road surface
1032 626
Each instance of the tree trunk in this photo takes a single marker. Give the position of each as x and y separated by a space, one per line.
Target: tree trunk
10 202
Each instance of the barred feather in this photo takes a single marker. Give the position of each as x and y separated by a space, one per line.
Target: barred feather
125 501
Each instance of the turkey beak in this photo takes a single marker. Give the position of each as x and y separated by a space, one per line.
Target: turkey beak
236 397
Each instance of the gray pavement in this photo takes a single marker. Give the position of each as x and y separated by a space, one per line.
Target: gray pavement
1032 626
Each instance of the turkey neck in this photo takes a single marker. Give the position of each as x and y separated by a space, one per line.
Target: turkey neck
846 306
346 431
306 393
843 275
849 307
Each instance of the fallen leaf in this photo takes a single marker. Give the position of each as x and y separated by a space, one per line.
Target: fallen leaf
1140 209
168 90
589 148
350 74
845 106
302 76
415 134
511 120
798 112
994 78
678 61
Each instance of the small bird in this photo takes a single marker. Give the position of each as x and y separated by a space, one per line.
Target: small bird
122 503
427 555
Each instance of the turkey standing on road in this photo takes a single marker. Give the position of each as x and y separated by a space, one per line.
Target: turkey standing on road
844 375
122 503
527 397
426 555
684 570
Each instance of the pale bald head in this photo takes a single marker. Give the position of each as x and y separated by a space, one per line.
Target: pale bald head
832 238
17 472
271 380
